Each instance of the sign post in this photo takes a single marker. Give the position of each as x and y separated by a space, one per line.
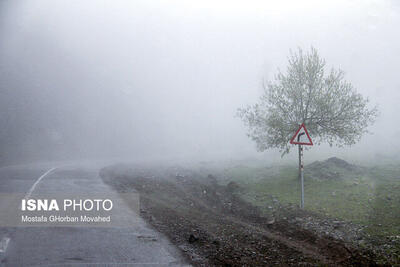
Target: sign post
301 177
301 137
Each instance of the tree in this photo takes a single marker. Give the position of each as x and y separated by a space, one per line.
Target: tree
329 106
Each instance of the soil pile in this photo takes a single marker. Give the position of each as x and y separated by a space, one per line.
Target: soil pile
332 168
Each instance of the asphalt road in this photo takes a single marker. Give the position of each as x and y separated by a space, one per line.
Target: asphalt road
133 244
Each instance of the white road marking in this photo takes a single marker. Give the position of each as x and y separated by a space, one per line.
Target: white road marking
4 244
36 183
5 240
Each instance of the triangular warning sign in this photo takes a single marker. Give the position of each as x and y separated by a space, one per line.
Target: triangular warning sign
301 137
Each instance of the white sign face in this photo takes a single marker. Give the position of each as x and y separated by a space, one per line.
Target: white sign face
301 137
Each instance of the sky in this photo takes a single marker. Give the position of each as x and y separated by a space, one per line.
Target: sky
165 78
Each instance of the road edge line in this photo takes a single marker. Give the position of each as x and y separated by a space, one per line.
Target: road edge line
4 244
29 193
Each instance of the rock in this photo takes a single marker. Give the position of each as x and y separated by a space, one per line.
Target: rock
272 221
183 248
192 239
298 219
216 242
336 226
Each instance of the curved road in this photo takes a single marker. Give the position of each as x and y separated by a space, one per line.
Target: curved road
133 245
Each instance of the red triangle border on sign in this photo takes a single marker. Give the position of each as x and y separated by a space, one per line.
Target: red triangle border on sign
299 143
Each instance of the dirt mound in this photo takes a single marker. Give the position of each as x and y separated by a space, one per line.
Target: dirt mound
332 168
214 227
340 163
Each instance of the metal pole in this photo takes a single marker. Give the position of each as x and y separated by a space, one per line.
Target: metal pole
301 177
299 160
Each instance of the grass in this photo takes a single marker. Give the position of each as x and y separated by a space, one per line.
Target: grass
370 197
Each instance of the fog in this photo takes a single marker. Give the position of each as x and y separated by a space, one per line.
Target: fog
163 79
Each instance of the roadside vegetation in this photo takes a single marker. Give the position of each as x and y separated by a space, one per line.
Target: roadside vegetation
334 188
368 197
